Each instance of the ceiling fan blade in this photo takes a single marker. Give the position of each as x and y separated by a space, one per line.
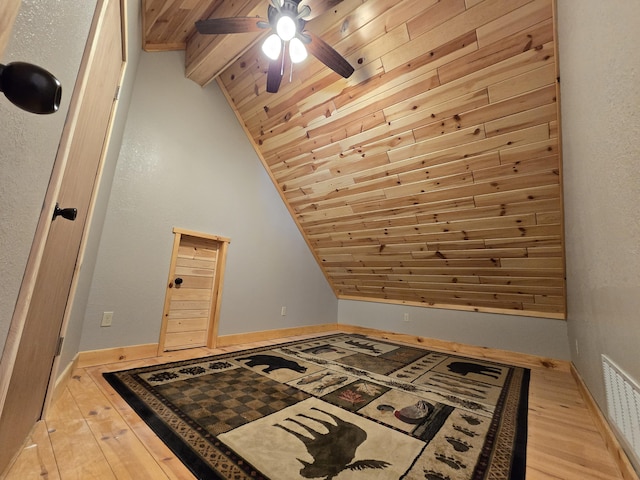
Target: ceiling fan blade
327 55
214 26
274 75
318 7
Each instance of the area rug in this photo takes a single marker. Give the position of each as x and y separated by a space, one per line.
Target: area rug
341 406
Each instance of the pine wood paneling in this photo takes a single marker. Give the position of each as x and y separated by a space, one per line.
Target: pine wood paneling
432 176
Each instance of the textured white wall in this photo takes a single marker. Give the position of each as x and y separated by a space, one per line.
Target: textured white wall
186 162
600 87
536 336
51 34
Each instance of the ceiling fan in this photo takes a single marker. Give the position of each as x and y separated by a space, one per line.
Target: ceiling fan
287 19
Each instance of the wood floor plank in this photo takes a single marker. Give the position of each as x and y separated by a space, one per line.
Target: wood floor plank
171 466
36 461
77 453
563 441
127 455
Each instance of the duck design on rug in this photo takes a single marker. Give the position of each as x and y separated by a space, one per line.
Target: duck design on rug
411 414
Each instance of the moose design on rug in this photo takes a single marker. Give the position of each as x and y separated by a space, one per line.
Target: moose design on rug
333 451
316 440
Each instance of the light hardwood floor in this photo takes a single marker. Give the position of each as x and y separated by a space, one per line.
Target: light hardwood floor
91 433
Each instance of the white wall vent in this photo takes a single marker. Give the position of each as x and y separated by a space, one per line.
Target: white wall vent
623 405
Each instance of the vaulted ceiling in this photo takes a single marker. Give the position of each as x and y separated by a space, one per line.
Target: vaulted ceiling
432 176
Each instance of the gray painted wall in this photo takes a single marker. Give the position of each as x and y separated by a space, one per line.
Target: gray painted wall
186 162
600 86
51 34
536 336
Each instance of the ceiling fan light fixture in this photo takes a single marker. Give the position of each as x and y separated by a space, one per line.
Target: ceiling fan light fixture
272 46
286 28
297 50
287 20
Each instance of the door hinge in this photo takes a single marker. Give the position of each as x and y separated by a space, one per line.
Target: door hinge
59 347
117 95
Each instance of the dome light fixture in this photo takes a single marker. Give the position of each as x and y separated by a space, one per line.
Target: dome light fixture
272 46
286 28
297 50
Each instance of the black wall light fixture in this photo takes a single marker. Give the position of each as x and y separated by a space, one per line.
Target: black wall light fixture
30 87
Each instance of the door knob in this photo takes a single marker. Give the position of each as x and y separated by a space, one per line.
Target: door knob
178 281
68 213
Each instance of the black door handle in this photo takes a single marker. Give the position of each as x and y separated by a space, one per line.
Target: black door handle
68 213
178 281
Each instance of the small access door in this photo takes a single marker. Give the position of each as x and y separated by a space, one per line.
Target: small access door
194 291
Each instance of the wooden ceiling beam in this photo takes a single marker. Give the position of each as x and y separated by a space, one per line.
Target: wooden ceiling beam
209 55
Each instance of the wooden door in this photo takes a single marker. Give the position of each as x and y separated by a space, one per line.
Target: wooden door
194 290
33 340
8 12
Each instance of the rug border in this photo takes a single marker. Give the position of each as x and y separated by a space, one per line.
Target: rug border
519 459
196 464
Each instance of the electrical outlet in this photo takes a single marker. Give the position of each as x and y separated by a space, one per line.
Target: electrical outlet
107 318
406 317
283 311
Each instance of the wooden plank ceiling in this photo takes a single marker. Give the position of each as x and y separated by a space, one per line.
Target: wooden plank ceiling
430 177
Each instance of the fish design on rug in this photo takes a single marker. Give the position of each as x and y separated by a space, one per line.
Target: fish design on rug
313 378
319 350
453 389
273 363
330 383
333 451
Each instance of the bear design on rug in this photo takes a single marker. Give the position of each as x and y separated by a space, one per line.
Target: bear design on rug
273 363
464 368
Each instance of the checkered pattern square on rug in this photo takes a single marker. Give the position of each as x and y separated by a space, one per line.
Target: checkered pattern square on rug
234 398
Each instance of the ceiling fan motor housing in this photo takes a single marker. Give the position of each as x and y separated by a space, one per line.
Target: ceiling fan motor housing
289 8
